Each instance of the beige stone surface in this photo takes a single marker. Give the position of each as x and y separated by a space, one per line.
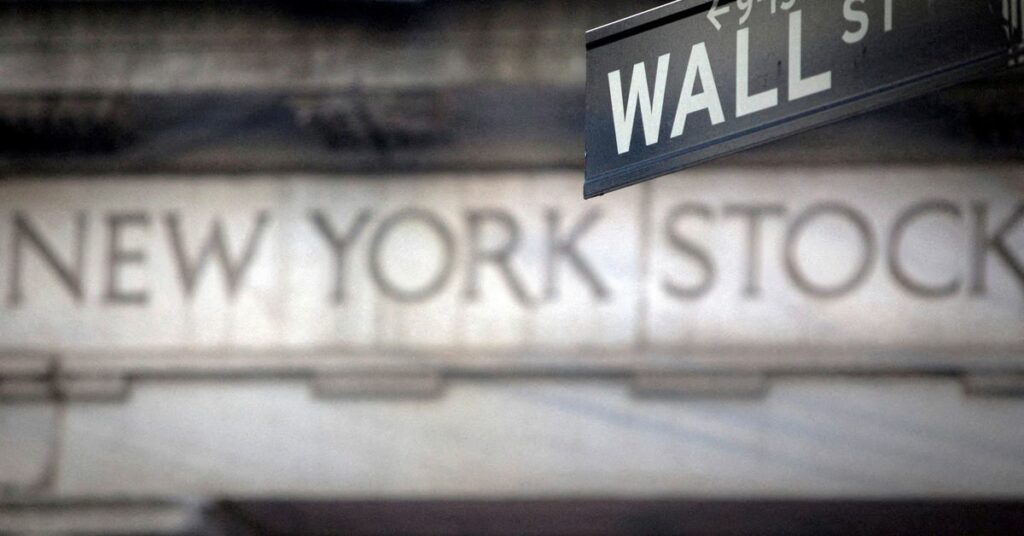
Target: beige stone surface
807 438
409 287
29 446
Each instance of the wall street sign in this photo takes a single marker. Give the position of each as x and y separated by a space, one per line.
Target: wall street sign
693 80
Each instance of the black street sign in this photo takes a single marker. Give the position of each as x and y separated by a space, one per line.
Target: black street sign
693 80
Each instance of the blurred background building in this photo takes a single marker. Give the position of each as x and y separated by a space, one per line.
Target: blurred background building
325 268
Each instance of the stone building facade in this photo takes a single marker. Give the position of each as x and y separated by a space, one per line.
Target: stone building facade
255 254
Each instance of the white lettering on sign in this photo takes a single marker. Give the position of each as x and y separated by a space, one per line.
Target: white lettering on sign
746 103
624 104
853 11
650 105
800 87
858 16
699 68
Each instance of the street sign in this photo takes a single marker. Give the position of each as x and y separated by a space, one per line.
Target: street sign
693 80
